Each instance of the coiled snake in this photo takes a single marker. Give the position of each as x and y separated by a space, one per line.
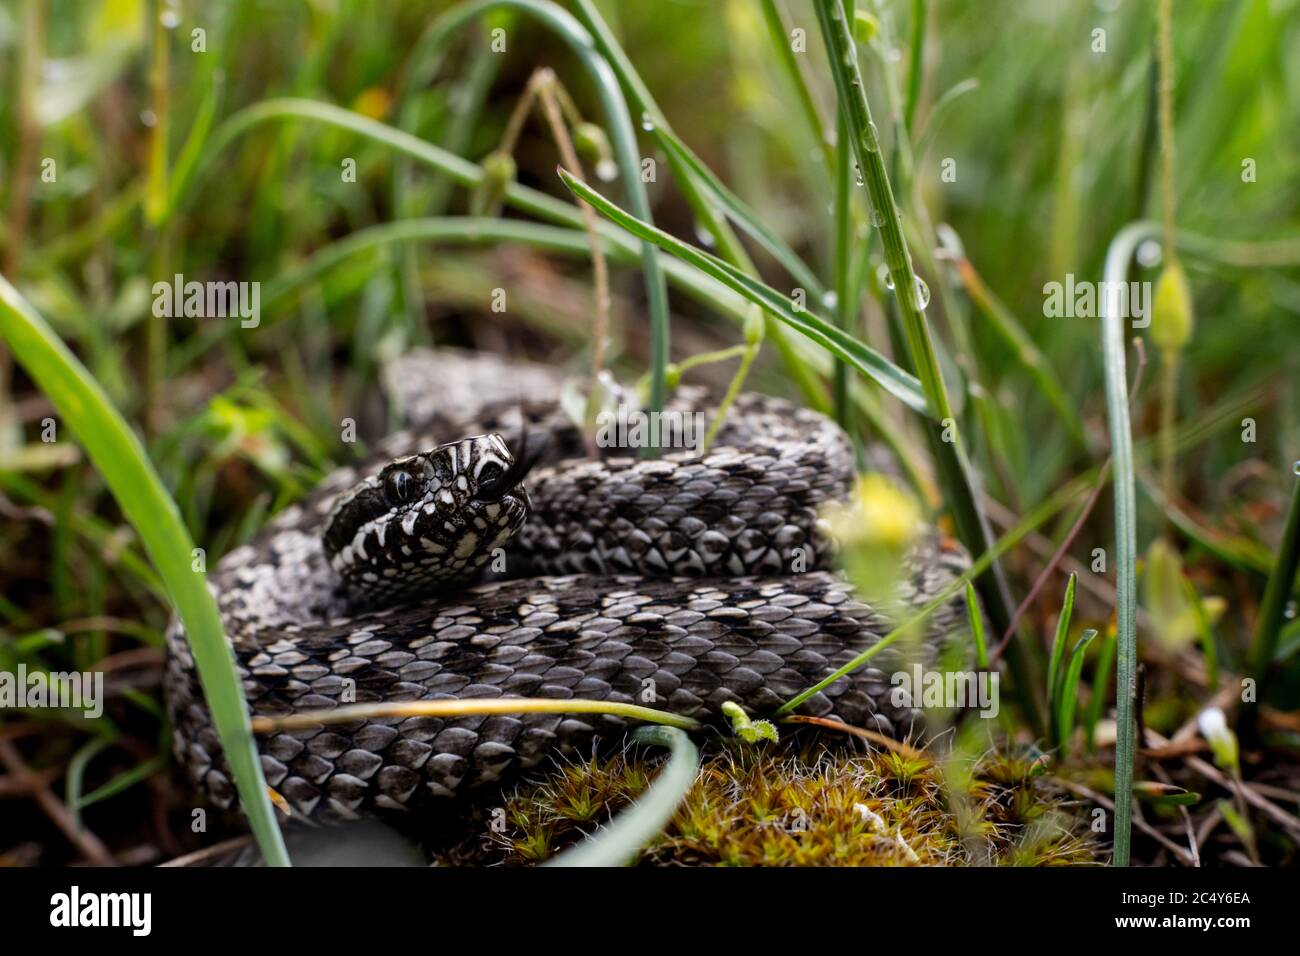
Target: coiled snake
664 582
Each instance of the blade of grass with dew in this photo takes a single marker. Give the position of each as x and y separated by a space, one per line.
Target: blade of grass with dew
121 460
846 293
1067 698
864 358
742 215
946 443
618 844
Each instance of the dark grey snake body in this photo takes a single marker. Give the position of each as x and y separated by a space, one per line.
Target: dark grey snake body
664 583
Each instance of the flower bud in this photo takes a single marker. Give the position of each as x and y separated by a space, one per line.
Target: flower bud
1172 320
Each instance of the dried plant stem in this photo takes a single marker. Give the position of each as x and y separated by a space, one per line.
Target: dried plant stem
468 707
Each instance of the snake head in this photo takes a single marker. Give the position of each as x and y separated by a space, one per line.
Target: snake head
427 521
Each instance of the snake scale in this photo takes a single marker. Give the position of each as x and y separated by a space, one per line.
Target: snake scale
663 582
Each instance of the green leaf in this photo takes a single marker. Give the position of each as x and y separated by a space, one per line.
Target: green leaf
739 213
1058 645
1066 702
121 460
858 354
977 627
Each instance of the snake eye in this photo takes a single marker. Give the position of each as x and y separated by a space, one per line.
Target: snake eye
400 486
489 474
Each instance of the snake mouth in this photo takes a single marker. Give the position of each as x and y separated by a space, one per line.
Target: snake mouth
532 445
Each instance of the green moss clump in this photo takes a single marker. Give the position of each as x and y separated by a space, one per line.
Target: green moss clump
755 806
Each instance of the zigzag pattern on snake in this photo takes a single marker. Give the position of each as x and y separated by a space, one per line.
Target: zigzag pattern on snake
663 582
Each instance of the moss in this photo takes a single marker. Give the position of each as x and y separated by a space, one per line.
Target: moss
807 807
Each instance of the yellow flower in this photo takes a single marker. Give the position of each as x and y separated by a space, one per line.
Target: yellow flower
374 102
878 513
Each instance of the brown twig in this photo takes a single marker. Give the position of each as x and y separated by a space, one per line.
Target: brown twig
879 740
89 845
1108 804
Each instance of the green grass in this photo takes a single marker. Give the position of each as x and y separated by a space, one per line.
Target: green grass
117 453
1056 150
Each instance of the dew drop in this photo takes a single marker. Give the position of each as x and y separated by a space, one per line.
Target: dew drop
703 236
647 122
887 280
169 19
607 170
148 118
872 140
830 300
858 169
1149 254
877 217
1296 468
922 293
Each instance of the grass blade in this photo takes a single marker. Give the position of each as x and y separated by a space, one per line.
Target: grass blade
618 843
1100 682
741 215
1276 593
977 628
858 354
1118 257
622 138
1067 697
121 460
1058 645
947 445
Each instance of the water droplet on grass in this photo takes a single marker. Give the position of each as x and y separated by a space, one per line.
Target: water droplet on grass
1149 254
872 139
922 290
647 122
922 293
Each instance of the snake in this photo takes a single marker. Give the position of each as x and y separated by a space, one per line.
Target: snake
456 561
